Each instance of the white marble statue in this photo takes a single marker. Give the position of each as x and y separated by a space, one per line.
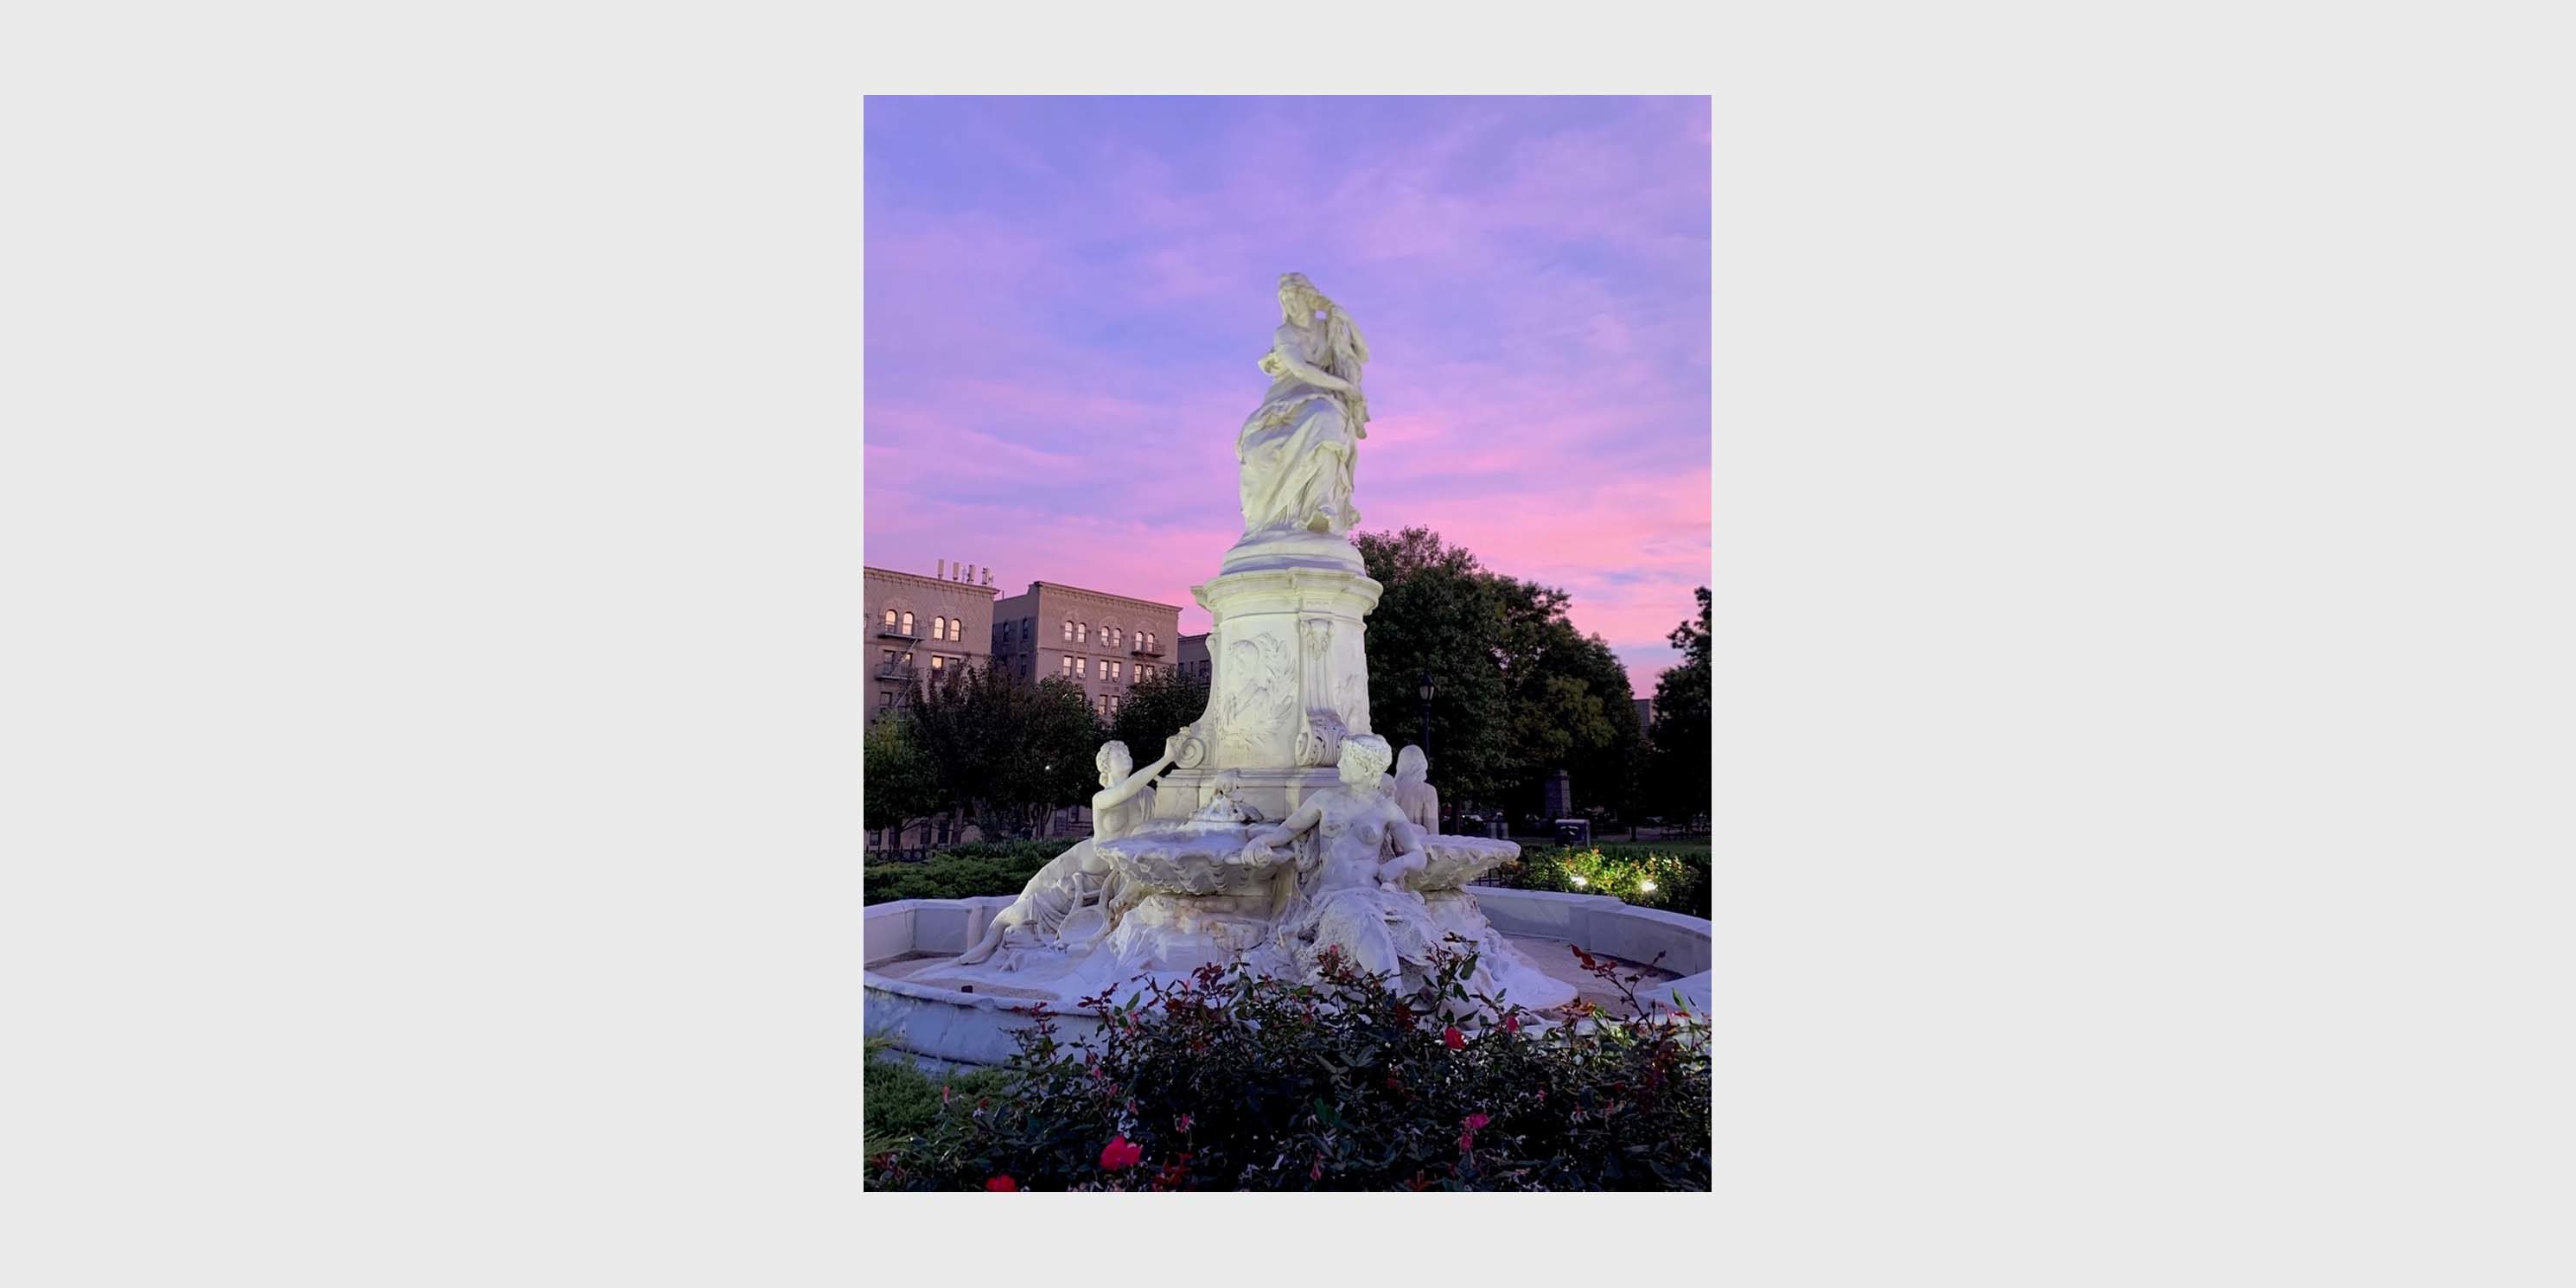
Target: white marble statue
1298 455
1412 791
1205 876
1351 892
1222 802
1077 894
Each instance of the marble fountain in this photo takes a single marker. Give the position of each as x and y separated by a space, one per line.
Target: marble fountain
1268 831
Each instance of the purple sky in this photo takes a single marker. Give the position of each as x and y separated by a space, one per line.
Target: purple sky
1066 297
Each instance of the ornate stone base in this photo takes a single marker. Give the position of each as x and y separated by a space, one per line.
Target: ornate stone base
1290 671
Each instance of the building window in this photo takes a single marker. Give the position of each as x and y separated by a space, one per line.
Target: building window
1082 632
1068 630
1113 670
889 619
938 663
1006 632
939 628
907 623
1082 666
1068 664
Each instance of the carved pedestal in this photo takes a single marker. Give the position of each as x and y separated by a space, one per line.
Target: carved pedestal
1289 682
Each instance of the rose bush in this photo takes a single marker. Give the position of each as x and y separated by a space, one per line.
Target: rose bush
1229 1080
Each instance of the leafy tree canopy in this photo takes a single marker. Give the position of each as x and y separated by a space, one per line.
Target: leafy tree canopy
1519 691
1681 732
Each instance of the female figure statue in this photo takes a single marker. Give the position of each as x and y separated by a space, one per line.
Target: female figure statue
1351 878
1413 793
1077 894
1298 454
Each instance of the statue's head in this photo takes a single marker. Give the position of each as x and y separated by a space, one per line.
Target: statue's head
1299 301
1411 766
1364 757
1113 762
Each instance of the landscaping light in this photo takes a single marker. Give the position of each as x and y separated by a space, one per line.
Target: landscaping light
1645 887
1581 882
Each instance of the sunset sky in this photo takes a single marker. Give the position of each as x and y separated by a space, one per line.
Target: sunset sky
1066 299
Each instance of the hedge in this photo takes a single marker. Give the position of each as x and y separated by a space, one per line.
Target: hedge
1680 879
960 872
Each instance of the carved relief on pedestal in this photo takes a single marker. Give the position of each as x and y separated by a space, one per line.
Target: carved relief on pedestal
1258 693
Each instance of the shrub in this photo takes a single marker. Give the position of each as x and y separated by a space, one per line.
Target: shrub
960 872
901 1101
1231 1080
1680 880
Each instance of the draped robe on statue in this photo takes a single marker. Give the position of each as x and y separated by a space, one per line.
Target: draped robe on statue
1299 453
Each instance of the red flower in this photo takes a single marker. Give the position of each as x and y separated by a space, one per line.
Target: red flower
1476 1122
1457 1041
1120 1154
1002 1185
1512 1023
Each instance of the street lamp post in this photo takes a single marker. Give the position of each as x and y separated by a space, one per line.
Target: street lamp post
1422 690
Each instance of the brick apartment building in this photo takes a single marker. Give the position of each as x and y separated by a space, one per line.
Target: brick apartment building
1193 658
1101 641
921 622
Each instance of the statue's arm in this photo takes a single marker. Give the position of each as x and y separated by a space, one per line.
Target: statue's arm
1410 856
1285 359
1136 782
1306 816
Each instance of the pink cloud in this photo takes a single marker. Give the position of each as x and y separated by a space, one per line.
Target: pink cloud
1054 385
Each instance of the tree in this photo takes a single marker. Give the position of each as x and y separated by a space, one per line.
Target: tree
1438 614
1681 732
898 781
1005 752
1154 709
1521 692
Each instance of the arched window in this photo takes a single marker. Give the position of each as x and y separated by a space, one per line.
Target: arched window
907 623
939 628
1068 630
1081 632
889 619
